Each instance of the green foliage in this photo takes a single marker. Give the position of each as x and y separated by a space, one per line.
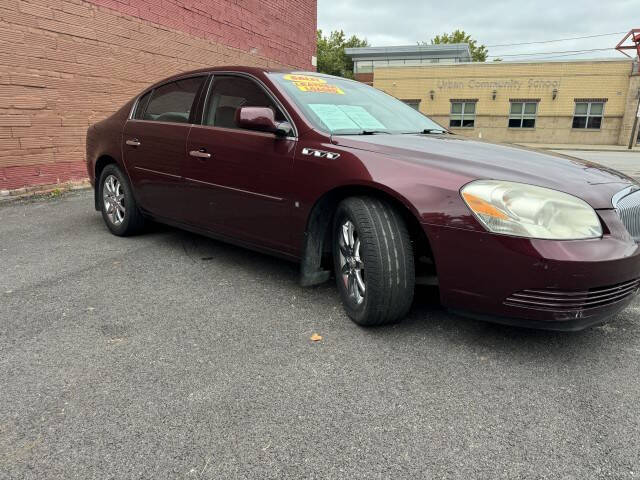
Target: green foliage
331 57
478 52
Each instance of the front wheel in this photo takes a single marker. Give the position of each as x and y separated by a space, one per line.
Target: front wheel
119 209
373 261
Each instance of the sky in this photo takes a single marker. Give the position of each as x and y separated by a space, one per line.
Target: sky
405 22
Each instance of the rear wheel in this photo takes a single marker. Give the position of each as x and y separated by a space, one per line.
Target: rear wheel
119 209
373 261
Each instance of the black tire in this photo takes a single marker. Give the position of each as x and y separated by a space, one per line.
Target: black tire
132 220
386 253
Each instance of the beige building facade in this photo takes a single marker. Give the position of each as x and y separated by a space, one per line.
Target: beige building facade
554 102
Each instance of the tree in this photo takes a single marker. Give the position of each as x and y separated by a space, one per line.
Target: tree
478 52
331 56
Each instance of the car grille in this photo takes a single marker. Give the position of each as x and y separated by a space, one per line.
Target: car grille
570 301
628 208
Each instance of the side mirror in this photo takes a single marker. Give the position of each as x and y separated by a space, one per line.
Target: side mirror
261 119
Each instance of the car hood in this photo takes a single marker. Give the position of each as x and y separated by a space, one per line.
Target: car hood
473 159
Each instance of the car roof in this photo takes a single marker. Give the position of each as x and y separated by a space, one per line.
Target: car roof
242 69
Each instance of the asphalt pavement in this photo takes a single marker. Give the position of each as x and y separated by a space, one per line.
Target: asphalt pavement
169 355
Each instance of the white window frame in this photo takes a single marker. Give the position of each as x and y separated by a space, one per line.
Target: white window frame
522 116
587 116
463 115
412 102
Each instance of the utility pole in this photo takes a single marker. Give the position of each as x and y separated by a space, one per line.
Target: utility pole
634 129
632 35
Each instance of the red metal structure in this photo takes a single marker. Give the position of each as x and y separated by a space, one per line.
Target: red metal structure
634 35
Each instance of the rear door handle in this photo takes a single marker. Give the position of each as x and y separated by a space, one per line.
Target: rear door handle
133 142
202 153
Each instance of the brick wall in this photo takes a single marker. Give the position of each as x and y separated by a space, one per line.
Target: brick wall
587 79
282 30
65 64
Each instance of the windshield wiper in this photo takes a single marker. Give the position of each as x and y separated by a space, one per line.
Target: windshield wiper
373 132
427 131
363 132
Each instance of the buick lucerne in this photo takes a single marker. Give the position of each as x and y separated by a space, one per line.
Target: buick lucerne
344 178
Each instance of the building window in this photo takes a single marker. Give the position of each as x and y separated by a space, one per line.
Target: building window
463 115
415 104
379 63
523 114
588 115
363 66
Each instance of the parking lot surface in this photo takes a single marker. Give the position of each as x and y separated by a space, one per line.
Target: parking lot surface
169 355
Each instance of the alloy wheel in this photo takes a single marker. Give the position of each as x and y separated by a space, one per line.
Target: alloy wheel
351 265
113 198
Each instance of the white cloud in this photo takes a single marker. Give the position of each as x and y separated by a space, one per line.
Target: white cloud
405 22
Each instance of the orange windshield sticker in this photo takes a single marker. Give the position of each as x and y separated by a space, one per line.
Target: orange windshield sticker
304 78
326 88
309 83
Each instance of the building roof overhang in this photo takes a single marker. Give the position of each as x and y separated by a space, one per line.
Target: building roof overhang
448 50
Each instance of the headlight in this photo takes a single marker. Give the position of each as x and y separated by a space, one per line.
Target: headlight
528 211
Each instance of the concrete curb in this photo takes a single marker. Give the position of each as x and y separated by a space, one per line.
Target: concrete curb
593 150
54 190
582 148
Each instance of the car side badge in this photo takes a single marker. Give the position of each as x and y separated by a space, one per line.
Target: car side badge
320 153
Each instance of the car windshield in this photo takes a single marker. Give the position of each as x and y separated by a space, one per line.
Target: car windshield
347 107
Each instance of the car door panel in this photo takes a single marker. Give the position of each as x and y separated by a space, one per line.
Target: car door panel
154 165
243 189
238 181
154 144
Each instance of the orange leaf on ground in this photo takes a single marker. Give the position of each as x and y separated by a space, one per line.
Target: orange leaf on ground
316 338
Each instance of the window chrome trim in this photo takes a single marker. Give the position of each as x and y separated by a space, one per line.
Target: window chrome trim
245 131
261 84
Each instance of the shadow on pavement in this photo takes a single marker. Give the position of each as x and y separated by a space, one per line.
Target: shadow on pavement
427 316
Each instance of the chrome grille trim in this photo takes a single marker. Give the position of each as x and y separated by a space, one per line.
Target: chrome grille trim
570 301
627 204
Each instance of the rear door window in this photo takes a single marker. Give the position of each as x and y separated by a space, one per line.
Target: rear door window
173 102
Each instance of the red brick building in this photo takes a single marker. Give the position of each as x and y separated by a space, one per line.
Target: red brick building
64 64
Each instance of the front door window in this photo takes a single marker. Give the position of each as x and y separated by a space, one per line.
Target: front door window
231 93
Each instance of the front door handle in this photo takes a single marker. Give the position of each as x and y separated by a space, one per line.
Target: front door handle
202 153
133 142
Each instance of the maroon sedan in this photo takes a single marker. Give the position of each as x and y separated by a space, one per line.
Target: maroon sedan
341 177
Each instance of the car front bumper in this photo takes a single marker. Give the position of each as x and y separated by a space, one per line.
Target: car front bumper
547 284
